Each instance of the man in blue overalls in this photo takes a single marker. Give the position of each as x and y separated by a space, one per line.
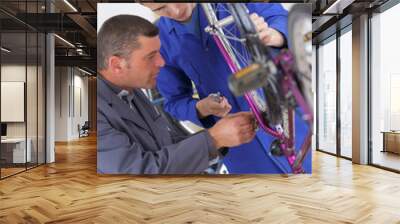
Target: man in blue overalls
191 55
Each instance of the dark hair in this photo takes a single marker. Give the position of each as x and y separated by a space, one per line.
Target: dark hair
118 37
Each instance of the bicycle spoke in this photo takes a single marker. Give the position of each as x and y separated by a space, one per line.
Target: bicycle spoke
230 37
234 49
245 61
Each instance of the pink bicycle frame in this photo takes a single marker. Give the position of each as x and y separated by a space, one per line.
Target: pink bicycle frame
285 62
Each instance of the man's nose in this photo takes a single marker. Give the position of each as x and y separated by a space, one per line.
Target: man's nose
160 61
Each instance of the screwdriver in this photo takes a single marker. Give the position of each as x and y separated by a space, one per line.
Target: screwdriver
216 97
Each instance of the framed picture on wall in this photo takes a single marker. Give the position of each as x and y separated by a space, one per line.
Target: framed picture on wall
12 101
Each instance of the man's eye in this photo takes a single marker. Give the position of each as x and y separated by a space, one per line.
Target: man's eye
159 10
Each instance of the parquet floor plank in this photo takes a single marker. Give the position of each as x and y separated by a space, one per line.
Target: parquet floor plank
70 191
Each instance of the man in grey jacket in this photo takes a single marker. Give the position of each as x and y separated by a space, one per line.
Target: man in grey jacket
132 135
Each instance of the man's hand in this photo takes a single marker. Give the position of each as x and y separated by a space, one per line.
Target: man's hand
268 36
233 130
211 106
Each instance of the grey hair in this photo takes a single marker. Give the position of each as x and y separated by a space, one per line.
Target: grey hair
118 37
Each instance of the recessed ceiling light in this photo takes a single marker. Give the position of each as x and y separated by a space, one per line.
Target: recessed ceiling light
64 40
70 5
337 7
5 50
86 72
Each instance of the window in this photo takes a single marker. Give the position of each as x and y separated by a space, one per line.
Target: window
385 89
327 96
22 76
346 75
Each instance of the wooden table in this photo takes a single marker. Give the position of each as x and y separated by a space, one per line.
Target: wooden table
13 150
391 141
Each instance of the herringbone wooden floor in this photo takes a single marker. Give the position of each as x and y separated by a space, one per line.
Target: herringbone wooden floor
70 191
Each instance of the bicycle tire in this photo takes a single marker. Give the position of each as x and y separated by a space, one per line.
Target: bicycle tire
300 18
260 54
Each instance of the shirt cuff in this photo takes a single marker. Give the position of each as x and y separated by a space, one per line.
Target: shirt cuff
205 122
193 117
283 32
213 152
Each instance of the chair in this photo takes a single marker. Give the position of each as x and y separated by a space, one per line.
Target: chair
84 130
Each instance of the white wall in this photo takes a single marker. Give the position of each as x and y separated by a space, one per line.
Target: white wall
80 100
12 101
33 126
61 103
12 73
70 83
108 10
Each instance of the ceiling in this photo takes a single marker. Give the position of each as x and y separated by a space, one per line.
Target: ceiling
76 20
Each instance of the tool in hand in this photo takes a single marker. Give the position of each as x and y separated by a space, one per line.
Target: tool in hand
216 97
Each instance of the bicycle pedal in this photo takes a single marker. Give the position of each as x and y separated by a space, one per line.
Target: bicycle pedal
275 148
250 78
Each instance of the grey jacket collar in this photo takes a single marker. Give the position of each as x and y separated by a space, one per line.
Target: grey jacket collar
106 92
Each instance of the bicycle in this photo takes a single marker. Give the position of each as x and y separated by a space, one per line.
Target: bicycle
284 80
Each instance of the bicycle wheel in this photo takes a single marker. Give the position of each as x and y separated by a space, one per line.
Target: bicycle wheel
260 54
300 30
237 35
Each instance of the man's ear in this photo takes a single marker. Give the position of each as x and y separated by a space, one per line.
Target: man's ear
116 64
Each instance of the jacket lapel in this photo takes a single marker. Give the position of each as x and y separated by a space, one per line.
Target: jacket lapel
119 105
157 124
145 106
